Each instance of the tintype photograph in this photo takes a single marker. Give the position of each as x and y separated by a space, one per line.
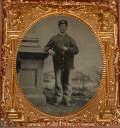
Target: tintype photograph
59 65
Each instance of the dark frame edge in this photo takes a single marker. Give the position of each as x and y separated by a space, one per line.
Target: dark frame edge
119 45
1 21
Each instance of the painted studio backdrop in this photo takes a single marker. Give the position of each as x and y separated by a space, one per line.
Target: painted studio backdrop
35 67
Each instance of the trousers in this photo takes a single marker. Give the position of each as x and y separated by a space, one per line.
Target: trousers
63 84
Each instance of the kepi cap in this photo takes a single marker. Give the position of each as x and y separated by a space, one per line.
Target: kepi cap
63 22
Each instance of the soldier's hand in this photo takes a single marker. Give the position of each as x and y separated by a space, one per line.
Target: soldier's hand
51 52
65 48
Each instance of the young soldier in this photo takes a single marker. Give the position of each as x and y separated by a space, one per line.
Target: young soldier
63 48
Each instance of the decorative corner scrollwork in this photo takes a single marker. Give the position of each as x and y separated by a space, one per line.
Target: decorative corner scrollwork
16 19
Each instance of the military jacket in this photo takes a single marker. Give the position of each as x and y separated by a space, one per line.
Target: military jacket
62 59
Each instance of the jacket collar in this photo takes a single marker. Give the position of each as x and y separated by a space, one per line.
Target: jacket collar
62 35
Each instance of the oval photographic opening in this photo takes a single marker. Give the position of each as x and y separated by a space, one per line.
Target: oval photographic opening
59 65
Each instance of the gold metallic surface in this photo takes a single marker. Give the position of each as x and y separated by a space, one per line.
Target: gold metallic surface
101 18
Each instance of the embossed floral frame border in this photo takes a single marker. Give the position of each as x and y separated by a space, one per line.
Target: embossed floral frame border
102 18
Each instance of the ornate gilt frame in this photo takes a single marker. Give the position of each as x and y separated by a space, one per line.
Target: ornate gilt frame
102 18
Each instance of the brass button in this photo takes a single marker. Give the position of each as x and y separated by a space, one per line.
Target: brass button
63 43
63 58
63 52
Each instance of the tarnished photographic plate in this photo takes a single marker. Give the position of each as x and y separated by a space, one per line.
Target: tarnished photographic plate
60 63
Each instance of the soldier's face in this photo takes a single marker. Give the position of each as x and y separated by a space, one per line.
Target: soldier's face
62 28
